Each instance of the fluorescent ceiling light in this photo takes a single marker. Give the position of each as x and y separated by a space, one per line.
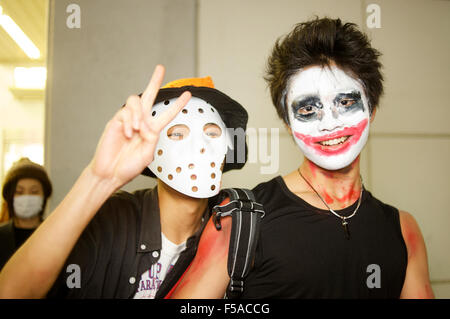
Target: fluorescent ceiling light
30 78
16 33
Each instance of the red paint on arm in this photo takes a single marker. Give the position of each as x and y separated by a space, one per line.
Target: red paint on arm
169 295
425 293
417 280
411 239
207 276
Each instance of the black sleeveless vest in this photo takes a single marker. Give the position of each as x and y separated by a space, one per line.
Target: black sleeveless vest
303 251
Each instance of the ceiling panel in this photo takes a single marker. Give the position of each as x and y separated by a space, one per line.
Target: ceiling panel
31 16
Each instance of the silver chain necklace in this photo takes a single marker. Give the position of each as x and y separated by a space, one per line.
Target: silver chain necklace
343 218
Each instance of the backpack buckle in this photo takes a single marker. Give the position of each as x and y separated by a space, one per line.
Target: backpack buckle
236 285
216 220
246 205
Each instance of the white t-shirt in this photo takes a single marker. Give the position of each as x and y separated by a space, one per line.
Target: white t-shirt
151 279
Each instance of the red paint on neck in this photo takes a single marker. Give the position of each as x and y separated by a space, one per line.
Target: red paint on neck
327 174
312 167
328 199
351 196
335 176
356 161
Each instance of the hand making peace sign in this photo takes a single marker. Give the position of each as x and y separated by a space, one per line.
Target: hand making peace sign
130 137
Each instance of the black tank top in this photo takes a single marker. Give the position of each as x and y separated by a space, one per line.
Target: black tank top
303 252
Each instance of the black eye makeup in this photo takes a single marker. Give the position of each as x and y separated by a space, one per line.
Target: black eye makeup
306 108
349 102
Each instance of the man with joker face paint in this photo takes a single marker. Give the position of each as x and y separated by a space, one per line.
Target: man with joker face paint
329 116
324 235
135 245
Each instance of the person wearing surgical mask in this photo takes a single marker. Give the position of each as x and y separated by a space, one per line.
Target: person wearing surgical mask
104 243
25 192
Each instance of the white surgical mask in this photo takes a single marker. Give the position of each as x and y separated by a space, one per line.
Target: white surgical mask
191 149
27 206
329 116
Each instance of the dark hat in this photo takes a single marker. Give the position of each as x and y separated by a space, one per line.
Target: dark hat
24 168
232 113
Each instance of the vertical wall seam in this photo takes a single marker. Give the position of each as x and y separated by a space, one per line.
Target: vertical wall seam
363 16
48 86
48 95
196 38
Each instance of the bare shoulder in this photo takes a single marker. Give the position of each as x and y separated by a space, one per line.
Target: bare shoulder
407 218
417 282
411 233
408 223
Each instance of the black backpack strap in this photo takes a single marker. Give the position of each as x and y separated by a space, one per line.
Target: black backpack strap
246 216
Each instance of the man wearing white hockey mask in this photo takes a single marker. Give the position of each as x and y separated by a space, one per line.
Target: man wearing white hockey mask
189 158
137 245
190 154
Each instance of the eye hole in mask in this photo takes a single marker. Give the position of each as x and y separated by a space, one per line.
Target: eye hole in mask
178 132
212 130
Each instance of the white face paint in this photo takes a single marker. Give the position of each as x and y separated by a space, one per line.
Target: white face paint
329 116
191 149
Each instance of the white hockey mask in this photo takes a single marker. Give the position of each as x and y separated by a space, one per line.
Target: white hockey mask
191 149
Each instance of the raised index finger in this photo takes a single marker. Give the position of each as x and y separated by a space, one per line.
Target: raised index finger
152 89
162 120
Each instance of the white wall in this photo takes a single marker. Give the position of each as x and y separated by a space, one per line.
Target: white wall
93 69
410 141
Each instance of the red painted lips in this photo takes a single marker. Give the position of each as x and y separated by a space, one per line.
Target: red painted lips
335 143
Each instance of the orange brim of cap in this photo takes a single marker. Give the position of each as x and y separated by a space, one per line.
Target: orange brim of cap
205 82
